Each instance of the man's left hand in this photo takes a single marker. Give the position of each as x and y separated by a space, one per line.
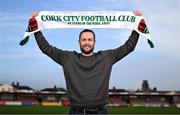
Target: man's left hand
137 13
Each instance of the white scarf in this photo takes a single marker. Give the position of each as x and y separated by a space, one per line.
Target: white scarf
88 19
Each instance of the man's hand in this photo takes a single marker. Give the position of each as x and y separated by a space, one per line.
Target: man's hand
142 27
34 14
137 13
33 23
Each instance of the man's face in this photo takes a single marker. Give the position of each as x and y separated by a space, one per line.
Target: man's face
87 42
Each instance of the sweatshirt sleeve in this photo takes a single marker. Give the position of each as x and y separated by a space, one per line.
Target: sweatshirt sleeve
120 52
58 55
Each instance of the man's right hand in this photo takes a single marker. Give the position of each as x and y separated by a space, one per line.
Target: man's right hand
34 14
33 23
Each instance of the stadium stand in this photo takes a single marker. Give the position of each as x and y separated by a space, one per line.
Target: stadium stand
114 100
176 100
24 95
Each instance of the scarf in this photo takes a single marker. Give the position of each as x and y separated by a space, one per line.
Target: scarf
89 19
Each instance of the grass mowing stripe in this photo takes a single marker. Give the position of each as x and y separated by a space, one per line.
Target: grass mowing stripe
33 109
64 110
115 110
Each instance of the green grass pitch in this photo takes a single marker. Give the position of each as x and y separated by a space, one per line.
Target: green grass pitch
64 110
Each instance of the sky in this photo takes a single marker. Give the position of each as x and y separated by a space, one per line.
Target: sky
29 66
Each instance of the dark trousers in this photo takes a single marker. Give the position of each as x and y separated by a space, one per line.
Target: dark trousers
80 110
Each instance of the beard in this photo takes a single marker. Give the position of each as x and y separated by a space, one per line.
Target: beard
86 51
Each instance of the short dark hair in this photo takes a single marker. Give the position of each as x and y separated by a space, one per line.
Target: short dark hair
87 30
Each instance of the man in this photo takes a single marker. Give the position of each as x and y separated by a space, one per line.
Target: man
87 73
